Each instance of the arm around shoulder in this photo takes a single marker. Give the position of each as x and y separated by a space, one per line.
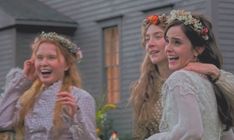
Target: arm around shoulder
225 82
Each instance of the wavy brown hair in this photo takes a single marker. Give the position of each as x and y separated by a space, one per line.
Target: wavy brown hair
146 90
71 78
211 55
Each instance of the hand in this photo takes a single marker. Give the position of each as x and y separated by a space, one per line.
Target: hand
67 99
29 69
204 68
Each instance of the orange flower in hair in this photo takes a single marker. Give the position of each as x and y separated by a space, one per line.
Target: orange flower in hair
153 19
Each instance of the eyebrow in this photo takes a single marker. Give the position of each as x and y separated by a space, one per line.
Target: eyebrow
155 33
158 32
174 38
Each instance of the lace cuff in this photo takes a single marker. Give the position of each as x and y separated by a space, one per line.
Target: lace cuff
75 126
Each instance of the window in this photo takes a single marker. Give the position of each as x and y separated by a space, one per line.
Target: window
111 63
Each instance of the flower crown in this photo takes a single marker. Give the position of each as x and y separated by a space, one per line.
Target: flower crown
64 42
188 19
154 19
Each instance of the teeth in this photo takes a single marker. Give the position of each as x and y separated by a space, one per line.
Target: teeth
154 52
172 57
45 70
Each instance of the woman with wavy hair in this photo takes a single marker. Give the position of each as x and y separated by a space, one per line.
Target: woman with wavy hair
146 94
44 100
145 97
194 107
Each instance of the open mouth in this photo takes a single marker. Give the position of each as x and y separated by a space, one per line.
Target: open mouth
154 52
173 58
46 72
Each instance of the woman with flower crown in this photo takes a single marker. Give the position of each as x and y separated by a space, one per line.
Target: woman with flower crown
146 92
44 100
145 97
194 107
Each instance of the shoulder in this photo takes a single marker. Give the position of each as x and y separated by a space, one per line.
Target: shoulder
183 80
182 75
81 93
84 100
15 73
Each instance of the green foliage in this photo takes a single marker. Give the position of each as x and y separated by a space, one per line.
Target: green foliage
101 113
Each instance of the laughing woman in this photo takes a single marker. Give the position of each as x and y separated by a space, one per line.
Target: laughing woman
44 100
194 108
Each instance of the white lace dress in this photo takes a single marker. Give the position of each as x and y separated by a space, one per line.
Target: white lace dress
189 109
39 122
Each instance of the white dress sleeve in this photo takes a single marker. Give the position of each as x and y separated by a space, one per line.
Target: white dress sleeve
16 84
189 125
83 126
189 122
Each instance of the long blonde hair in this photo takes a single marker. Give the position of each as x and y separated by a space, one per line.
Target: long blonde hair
71 78
145 92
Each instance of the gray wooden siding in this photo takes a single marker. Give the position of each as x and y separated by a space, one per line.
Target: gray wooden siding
200 6
225 20
88 13
23 44
7 53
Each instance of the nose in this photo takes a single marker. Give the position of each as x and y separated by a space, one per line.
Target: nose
151 43
168 48
44 62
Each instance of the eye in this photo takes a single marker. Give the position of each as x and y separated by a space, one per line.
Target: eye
52 57
39 57
147 39
158 36
176 42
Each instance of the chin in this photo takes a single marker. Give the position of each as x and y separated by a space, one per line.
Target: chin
154 61
174 68
46 81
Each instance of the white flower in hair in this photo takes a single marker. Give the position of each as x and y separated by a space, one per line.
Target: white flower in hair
187 18
64 42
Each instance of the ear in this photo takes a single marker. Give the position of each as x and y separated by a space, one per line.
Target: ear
198 50
66 67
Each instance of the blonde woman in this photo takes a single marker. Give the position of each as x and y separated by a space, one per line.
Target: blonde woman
44 100
146 92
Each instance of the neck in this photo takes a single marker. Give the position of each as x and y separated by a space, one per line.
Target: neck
164 71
